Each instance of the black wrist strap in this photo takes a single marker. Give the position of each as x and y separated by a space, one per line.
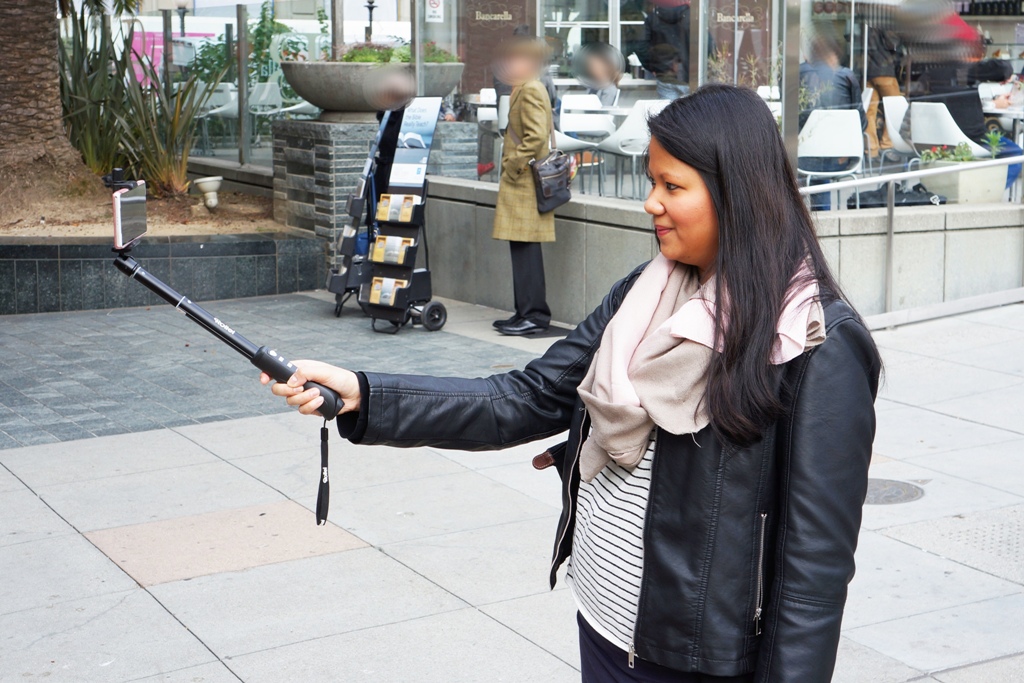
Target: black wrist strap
323 494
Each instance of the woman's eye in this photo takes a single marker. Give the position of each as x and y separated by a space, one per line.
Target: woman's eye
651 181
670 187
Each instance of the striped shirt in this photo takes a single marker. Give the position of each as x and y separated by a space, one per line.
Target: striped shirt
608 548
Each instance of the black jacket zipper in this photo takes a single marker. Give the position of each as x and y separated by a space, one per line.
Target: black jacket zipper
759 595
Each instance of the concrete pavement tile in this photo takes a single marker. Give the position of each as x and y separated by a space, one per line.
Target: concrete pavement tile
856 663
950 637
230 540
241 612
946 335
258 435
895 580
296 472
459 647
544 485
1003 408
923 380
484 565
445 504
117 637
548 619
1003 316
998 465
1005 357
908 432
150 496
109 456
1004 670
26 518
523 453
991 540
55 570
214 672
8 482
943 496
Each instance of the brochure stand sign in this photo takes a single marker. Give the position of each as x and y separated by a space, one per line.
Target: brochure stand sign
396 291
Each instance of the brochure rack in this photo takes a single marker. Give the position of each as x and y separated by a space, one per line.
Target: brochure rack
396 291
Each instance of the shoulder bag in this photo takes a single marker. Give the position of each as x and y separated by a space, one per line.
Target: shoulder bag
552 175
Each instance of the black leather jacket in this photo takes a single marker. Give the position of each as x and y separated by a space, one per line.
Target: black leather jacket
747 551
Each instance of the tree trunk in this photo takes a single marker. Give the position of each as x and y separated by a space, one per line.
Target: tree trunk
33 147
30 114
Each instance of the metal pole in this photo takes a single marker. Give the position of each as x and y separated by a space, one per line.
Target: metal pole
243 84
168 51
229 48
790 87
337 29
890 203
698 45
417 44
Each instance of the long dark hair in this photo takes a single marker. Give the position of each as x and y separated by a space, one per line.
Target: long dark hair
765 233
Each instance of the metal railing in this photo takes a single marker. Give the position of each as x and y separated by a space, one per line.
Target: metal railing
890 318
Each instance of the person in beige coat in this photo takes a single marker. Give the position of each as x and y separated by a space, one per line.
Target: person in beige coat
516 218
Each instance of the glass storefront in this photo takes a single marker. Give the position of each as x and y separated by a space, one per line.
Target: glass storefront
799 55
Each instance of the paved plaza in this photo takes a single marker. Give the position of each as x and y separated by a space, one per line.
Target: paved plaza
157 518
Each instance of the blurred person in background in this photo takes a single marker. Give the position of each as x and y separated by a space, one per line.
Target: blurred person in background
602 67
516 218
501 88
665 50
883 63
827 85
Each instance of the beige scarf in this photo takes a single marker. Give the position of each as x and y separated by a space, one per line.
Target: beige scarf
651 367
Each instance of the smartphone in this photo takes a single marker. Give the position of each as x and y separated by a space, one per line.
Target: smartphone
129 215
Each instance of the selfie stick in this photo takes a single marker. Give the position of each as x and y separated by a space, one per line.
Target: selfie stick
267 360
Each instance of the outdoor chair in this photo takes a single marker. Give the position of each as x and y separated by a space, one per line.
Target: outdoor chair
579 148
831 134
931 125
895 108
630 141
223 104
588 123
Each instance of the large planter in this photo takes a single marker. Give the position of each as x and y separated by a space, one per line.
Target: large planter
978 186
348 91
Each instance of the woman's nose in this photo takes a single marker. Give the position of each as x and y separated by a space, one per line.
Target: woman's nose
652 205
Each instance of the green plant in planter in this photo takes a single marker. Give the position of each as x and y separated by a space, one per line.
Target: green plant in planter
375 53
368 53
993 140
960 153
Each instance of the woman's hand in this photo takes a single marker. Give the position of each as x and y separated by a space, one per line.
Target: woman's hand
342 381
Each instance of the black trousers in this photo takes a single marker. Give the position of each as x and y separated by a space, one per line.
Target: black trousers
528 282
603 662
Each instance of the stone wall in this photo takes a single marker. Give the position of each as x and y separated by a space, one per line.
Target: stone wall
941 253
317 166
70 274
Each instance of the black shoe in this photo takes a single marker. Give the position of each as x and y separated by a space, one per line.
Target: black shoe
498 324
522 328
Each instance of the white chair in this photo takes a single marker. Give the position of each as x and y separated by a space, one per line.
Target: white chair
222 104
895 107
488 96
630 141
503 107
865 97
579 114
577 147
931 125
768 93
832 134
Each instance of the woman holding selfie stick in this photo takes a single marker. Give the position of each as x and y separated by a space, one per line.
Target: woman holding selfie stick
719 405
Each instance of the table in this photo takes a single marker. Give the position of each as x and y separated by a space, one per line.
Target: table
613 111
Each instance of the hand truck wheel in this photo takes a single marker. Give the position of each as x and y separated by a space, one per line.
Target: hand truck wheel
433 316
